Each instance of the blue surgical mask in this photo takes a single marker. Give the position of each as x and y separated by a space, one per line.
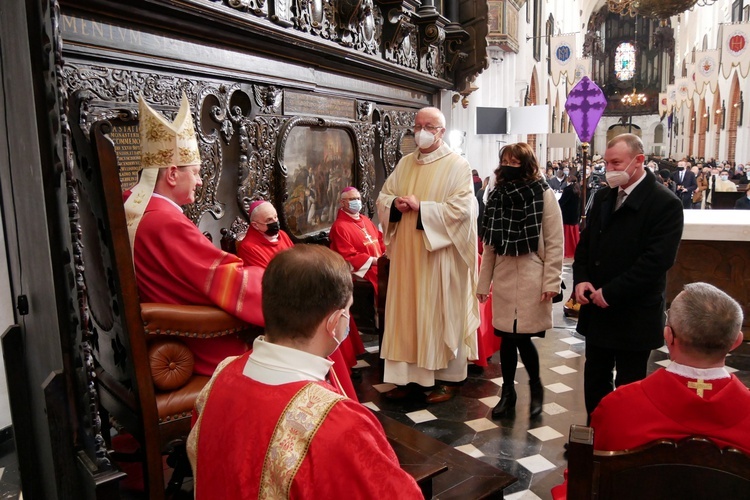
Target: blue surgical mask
355 205
346 332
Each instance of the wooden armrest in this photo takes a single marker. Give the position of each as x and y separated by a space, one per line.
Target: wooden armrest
188 321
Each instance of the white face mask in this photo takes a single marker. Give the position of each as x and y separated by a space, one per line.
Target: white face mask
424 139
617 178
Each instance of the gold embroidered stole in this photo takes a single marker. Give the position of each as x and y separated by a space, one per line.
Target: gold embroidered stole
297 425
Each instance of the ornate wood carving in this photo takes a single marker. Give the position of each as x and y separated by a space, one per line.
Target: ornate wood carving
393 126
89 437
359 24
401 44
314 16
258 139
431 50
114 92
455 39
257 7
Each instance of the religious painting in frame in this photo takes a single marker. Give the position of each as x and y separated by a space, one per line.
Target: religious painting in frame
316 159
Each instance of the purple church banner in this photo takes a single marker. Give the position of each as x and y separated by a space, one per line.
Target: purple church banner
585 107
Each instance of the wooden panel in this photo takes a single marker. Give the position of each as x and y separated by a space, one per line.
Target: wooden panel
724 264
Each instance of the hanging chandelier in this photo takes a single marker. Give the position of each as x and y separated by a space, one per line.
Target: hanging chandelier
634 99
660 9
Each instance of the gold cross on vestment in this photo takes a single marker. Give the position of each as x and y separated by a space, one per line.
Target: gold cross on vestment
699 386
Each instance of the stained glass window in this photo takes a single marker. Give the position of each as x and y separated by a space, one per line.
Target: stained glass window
625 61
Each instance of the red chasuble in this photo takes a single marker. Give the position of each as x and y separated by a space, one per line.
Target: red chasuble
256 250
357 240
176 264
300 440
487 342
663 406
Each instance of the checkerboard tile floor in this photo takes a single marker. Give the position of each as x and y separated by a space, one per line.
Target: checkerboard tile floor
530 449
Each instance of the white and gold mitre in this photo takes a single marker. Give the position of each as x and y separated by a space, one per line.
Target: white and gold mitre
164 143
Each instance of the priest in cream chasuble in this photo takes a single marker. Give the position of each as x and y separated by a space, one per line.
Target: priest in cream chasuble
428 212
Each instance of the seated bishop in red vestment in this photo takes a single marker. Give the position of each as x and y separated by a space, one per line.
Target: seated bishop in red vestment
356 238
174 262
274 423
695 395
263 239
262 242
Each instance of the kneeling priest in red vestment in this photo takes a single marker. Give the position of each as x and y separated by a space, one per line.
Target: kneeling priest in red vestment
274 423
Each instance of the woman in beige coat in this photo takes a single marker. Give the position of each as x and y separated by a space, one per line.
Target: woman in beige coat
522 258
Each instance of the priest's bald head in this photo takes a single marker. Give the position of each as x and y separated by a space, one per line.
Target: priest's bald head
264 218
307 292
703 325
429 129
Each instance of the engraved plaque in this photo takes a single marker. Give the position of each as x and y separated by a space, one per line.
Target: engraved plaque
408 145
128 150
299 103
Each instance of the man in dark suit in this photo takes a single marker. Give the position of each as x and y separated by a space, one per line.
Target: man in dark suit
620 269
686 183
744 202
559 180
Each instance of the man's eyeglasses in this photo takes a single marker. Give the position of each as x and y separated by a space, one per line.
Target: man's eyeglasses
430 128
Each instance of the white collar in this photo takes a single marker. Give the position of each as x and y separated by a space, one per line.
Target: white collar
167 199
273 238
423 159
353 216
275 364
697 373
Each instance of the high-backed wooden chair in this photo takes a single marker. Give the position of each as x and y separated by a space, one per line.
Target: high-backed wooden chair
144 373
694 468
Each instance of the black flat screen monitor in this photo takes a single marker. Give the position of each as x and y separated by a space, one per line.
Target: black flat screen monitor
492 120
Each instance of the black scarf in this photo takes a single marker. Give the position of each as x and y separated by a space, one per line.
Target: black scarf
513 217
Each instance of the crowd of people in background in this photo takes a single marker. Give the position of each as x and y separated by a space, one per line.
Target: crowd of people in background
693 180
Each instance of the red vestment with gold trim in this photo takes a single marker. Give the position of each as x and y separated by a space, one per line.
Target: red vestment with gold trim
662 406
348 457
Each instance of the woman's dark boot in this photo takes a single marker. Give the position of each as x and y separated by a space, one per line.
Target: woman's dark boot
537 398
507 405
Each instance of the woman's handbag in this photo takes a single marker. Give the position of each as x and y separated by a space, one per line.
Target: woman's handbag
558 298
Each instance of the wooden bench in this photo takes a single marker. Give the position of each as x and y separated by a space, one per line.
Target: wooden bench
694 468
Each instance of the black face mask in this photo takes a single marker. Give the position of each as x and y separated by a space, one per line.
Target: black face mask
272 228
510 173
680 168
